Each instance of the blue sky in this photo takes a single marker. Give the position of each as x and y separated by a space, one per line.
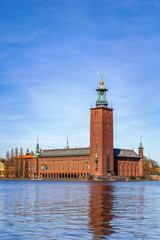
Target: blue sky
50 54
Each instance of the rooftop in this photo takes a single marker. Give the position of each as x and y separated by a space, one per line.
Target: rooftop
85 152
125 153
25 156
66 152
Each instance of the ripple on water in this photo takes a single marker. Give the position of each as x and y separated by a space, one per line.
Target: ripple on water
79 210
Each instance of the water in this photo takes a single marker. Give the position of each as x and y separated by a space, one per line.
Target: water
79 210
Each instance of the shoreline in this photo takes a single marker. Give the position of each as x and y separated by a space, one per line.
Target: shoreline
79 180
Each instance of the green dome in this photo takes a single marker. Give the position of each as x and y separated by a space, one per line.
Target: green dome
140 146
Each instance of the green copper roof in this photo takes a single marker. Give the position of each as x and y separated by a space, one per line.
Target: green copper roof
66 152
140 146
37 154
85 152
101 98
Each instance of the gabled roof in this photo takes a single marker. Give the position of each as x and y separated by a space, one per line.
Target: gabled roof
66 152
125 153
85 152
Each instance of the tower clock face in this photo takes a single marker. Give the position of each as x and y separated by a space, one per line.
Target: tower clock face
43 167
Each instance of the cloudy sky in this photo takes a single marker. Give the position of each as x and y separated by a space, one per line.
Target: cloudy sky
50 54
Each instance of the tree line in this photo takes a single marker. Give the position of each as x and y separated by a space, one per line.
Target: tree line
150 167
14 163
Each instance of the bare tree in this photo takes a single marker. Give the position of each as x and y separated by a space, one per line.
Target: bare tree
20 162
21 151
12 153
16 162
16 151
7 155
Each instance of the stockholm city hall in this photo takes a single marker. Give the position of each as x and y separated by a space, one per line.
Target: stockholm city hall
99 161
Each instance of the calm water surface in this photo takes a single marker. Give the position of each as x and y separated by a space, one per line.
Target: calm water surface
79 210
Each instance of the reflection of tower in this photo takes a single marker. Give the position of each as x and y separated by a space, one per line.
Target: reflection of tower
100 213
101 135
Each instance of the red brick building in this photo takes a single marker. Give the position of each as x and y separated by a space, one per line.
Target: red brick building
99 160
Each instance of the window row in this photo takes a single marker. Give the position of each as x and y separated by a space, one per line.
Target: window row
62 167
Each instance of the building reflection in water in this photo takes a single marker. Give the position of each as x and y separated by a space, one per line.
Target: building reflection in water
100 213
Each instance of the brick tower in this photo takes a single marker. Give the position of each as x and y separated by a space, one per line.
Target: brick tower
101 135
140 149
140 153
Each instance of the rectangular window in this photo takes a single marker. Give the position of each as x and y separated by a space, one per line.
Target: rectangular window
77 166
72 166
53 166
58 166
68 166
63 167
83 167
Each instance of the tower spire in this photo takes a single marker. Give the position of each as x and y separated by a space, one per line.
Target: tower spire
101 82
101 99
140 145
37 148
67 146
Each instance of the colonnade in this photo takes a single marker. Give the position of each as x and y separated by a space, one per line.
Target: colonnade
63 175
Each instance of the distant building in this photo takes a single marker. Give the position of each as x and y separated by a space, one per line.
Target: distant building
100 159
2 167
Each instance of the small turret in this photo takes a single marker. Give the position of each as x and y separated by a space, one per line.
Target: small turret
67 145
27 152
140 148
37 154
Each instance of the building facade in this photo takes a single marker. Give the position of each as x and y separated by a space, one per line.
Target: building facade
100 159
2 167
